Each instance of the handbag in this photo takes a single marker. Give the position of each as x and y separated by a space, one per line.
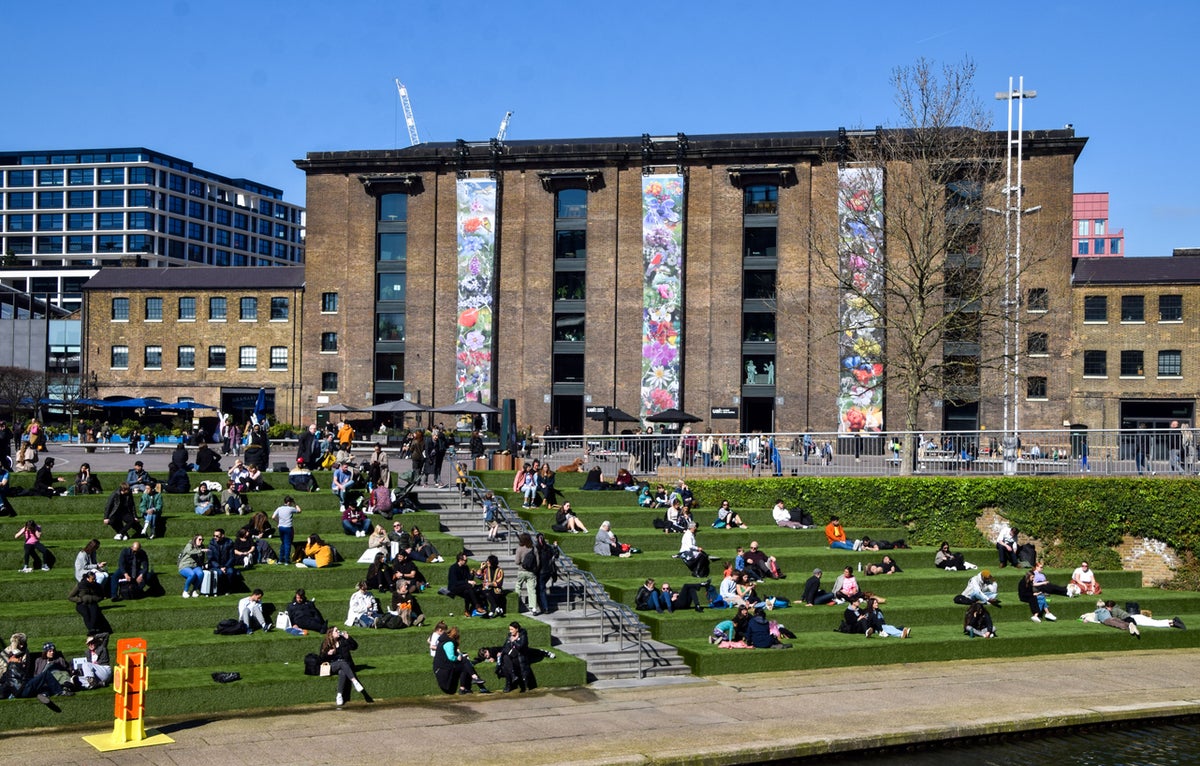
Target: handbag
283 621
324 670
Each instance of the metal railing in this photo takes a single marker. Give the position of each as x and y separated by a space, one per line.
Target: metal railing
583 590
668 456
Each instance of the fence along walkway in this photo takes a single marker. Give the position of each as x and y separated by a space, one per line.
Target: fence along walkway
1136 452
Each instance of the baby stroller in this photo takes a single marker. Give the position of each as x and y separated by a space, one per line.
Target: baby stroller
404 498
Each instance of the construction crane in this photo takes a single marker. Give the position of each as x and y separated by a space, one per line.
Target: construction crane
413 138
504 126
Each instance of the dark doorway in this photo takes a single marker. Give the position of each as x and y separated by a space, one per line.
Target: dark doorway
960 417
758 414
567 414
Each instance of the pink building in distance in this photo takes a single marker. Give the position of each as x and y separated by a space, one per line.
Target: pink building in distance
1090 233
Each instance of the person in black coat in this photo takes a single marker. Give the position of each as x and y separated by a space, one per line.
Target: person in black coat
461 583
305 615
335 650
177 481
87 595
120 514
179 457
207 461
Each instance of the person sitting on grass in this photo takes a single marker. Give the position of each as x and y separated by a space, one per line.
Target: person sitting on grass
662 498
727 518
250 613
606 543
565 520
645 497
625 481
17 677
595 480
86 482
836 535
453 669
845 586
304 613
405 568
1042 583
335 649
133 573
978 622
759 635
120 514
191 566
205 501
317 553
947 559
94 668
137 478
207 461
300 477
695 557
151 506
886 567
982 588
1084 582
759 565
243 549
354 520
813 594
220 559
783 518
460 583
876 625
45 482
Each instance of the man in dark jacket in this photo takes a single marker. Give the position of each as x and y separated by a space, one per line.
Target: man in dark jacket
133 573
207 461
220 559
308 447
120 513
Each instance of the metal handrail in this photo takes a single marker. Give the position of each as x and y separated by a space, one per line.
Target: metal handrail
623 622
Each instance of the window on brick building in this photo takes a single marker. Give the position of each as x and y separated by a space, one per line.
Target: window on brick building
1038 299
153 358
1132 364
187 309
119 360
1035 387
217 309
216 357
1170 363
1170 308
120 309
248 358
249 310
1133 308
1095 363
329 303
329 342
154 308
186 358
1095 308
1037 344
279 309
279 357
329 382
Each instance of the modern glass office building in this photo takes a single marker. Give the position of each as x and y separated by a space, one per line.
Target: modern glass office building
87 208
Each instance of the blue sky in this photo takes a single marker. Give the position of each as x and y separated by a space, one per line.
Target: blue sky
244 88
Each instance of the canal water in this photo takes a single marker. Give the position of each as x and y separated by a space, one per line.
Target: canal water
1174 744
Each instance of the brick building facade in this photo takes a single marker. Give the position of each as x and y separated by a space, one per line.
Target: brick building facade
1136 323
212 334
384 283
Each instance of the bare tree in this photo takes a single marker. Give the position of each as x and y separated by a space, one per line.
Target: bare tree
922 276
20 390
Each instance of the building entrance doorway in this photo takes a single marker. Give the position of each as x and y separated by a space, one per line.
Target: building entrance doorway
758 414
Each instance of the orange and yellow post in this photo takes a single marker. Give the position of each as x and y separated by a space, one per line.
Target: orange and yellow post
131 678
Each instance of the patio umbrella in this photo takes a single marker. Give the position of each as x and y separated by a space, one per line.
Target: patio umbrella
618 415
673 416
400 405
469 407
133 403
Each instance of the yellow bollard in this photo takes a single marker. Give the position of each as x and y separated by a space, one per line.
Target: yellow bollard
131 677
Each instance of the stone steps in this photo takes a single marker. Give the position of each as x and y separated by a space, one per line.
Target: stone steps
574 632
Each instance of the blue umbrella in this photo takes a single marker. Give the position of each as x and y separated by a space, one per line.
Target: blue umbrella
260 405
184 406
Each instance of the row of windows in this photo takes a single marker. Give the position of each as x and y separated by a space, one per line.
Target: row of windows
80 221
53 200
1133 308
80 176
1170 363
185 357
1096 247
1097 227
218 308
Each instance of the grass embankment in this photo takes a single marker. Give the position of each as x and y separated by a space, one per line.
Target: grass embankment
184 652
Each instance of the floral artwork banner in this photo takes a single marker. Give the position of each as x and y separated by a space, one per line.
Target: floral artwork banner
662 292
861 265
476 289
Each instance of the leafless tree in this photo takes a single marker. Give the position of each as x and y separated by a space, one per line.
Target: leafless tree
20 390
921 273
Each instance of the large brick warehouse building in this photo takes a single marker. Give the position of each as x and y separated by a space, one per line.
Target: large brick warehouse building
646 273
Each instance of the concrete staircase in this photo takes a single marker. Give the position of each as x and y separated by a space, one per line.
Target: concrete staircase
577 630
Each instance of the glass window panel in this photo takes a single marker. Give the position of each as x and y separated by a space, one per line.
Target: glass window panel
329 382
279 309
249 309
329 342
571 203
216 357
1131 363
153 357
248 358
1170 308
1133 308
761 199
154 309
760 242
570 244
187 308
329 302
110 198
186 358
393 247
1095 362
1095 308
1170 363
120 309
389 327
1035 387
217 308
120 357
393 207
389 367
279 357
569 328
390 286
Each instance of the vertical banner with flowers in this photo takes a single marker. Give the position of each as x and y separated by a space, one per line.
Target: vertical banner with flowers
476 293
662 292
861 261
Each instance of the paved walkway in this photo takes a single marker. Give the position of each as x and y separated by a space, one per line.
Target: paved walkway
730 719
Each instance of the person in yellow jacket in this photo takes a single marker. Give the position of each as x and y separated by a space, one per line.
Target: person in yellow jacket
345 436
317 553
